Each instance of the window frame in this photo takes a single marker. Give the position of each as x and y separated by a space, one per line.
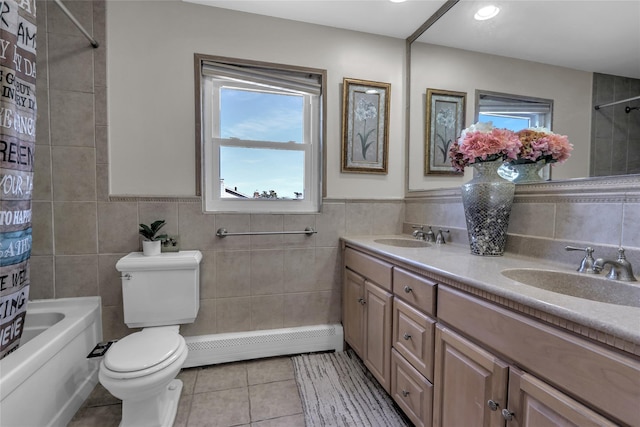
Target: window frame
206 157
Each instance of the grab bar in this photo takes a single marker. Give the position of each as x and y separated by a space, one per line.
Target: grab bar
222 232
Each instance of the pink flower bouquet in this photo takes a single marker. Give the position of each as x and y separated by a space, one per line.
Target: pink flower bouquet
542 144
482 142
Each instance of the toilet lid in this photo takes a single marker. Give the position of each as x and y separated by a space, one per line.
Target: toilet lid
142 350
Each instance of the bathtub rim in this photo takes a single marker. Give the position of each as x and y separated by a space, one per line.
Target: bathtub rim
20 364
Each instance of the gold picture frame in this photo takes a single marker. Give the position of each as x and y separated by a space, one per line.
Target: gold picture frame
365 126
444 123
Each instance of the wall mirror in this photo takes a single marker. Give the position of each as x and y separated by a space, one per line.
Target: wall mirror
453 52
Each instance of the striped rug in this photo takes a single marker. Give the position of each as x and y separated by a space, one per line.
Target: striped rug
338 391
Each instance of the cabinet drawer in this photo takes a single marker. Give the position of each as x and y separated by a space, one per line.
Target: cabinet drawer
415 289
413 337
411 391
607 380
372 268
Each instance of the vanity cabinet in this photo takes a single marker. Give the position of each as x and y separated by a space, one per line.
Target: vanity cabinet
554 377
367 312
451 358
476 388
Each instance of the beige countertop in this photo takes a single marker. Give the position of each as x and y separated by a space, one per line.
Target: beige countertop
616 325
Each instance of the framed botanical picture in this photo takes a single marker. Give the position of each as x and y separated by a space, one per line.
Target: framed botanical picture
444 124
365 126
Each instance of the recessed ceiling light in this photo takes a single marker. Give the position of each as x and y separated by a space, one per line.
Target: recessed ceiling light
397 1
486 12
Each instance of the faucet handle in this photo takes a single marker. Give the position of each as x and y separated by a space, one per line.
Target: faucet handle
429 236
621 256
626 265
586 265
440 240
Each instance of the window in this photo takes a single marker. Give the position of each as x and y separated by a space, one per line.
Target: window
513 112
261 137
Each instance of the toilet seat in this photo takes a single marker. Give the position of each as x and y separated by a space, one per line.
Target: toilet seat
143 353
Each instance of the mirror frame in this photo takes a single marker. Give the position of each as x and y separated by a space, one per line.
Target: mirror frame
624 188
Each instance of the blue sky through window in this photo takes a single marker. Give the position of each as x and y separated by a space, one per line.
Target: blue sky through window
507 122
261 116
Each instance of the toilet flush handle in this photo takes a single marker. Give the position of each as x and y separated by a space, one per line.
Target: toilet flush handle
126 276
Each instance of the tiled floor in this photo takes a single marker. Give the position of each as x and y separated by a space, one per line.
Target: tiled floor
258 393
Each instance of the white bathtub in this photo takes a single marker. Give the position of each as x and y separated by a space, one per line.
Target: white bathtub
46 380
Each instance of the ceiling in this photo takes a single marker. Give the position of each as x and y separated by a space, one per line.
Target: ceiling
590 35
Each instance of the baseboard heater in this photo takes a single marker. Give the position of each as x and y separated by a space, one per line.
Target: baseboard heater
235 346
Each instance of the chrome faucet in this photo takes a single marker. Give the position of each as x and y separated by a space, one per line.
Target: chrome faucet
620 269
420 234
586 265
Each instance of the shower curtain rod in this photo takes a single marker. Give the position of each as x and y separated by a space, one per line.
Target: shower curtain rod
73 19
597 107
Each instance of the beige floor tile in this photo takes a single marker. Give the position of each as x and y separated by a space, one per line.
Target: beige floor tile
103 416
221 377
188 377
220 408
101 397
290 421
184 407
269 370
276 399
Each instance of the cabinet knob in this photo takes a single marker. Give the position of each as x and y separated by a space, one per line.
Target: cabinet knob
405 393
408 289
362 301
492 405
406 336
507 414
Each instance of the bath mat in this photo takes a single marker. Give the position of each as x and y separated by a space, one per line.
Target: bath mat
338 391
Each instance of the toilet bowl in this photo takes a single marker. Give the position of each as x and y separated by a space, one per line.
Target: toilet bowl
140 370
159 294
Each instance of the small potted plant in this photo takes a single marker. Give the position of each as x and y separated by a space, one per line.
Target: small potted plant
152 241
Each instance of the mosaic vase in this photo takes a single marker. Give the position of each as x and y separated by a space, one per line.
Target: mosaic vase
487 201
527 172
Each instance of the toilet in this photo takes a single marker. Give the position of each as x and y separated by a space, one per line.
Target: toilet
159 294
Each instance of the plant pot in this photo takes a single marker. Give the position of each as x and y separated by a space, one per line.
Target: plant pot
151 247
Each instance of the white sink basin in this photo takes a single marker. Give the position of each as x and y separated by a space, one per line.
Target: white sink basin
403 243
591 287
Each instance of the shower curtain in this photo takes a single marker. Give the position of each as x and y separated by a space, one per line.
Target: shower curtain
17 145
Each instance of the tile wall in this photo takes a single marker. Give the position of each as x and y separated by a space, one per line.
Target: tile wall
615 134
247 283
541 226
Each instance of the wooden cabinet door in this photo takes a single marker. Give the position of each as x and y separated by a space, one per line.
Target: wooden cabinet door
353 311
377 341
466 378
533 403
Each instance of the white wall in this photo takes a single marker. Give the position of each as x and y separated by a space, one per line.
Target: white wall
151 89
445 68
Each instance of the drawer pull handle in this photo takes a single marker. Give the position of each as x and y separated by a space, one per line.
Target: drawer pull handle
408 289
492 405
405 393
507 414
362 301
406 336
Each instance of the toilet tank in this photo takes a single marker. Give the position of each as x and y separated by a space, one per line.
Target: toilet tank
160 290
